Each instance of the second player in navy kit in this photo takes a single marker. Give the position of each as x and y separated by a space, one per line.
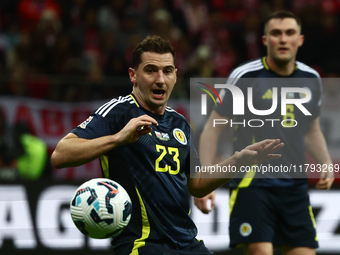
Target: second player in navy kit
273 208
279 202
289 127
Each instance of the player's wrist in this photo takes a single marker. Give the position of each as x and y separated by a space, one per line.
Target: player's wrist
236 159
117 140
241 158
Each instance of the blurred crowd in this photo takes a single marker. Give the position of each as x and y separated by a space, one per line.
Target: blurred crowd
80 50
23 156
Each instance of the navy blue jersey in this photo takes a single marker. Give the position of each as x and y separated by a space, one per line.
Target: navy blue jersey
290 128
153 171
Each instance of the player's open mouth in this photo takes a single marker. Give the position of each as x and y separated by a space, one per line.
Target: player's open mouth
158 92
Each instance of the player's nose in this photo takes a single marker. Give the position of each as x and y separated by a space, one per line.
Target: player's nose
160 77
283 38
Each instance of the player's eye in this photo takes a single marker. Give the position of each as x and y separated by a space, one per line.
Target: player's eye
276 33
291 32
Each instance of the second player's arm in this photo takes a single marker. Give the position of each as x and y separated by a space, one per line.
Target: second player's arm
316 146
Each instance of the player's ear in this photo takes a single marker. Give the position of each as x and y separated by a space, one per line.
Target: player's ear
264 40
132 75
301 40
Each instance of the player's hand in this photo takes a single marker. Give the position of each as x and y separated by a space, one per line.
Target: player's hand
259 152
202 203
326 180
136 128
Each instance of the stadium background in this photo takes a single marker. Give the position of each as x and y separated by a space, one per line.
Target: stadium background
60 59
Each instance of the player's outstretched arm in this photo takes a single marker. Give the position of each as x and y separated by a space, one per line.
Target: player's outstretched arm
74 151
205 182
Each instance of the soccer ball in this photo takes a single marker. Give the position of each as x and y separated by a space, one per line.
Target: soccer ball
101 208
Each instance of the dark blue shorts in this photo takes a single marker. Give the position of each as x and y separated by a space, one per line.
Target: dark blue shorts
195 248
281 216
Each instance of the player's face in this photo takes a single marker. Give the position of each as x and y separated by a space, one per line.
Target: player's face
154 80
282 39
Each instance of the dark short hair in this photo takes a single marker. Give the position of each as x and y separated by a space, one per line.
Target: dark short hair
282 15
151 44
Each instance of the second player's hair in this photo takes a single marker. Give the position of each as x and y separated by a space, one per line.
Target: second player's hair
282 15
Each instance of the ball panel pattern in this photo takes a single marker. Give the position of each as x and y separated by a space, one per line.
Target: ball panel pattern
101 208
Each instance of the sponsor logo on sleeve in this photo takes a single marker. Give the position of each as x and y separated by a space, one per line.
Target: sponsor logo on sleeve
87 121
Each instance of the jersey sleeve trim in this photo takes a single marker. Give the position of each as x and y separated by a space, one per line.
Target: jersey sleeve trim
107 107
306 68
235 75
169 109
246 68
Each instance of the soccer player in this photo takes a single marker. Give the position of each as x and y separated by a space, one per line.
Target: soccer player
145 146
274 210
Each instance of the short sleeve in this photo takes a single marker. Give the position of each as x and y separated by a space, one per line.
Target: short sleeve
93 127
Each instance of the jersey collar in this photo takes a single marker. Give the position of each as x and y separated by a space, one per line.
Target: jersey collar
264 62
154 115
134 99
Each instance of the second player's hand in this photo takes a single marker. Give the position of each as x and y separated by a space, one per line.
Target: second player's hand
136 128
202 203
326 180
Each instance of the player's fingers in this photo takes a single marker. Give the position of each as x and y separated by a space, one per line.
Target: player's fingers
273 145
322 184
143 123
142 127
212 203
329 182
147 118
321 181
278 147
202 206
273 156
269 142
144 131
205 210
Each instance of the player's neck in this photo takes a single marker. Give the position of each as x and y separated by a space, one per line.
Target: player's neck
156 109
285 69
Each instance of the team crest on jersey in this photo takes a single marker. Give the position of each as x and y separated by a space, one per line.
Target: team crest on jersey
87 121
162 136
180 136
245 229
